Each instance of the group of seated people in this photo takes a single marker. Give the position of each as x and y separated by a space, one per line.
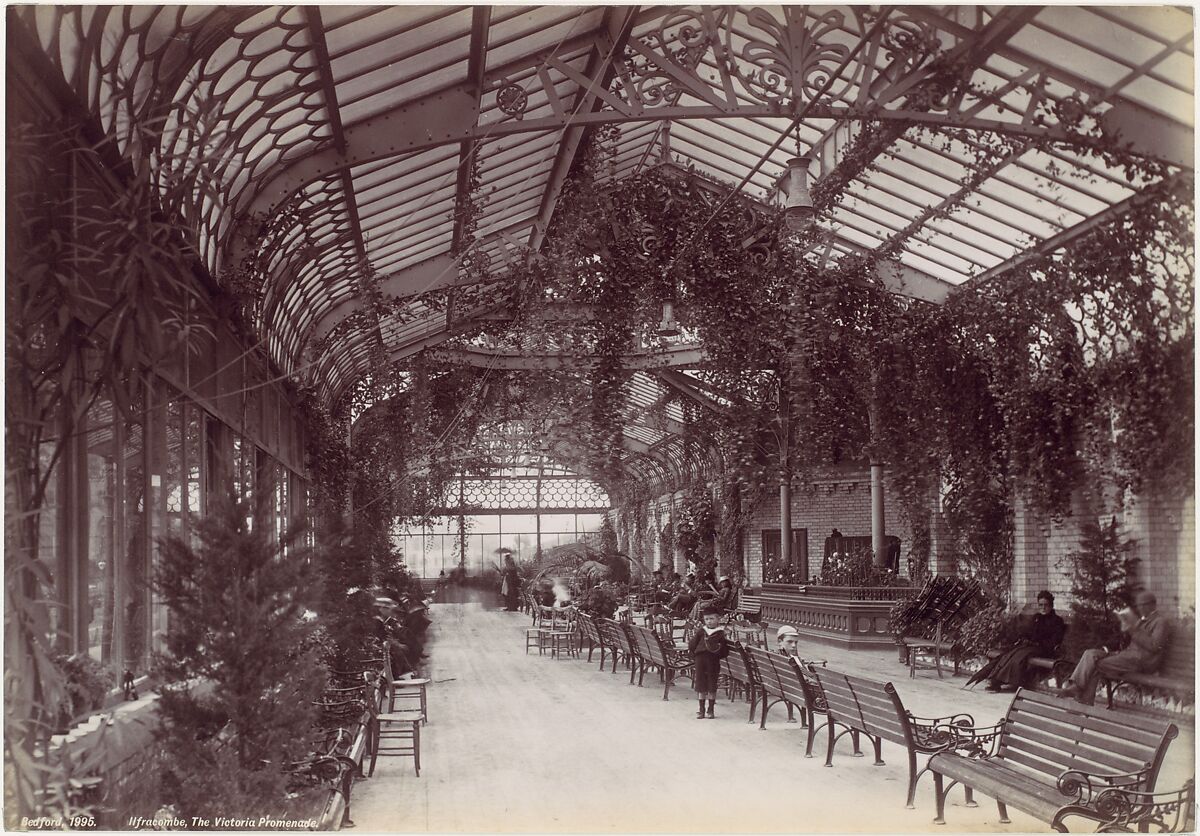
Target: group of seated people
1145 637
683 597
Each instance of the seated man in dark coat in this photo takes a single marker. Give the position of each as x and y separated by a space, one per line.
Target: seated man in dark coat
1040 636
684 600
1147 644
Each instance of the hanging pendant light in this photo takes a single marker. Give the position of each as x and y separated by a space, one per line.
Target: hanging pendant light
668 327
798 208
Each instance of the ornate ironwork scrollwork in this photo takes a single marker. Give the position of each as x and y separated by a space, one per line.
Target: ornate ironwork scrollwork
792 59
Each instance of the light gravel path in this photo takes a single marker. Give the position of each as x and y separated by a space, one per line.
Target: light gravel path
522 743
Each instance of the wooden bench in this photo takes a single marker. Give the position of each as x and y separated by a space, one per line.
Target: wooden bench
1176 676
740 677
780 682
651 652
862 706
748 607
589 632
1050 753
617 642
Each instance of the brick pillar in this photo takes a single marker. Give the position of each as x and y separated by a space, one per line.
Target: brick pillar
1163 529
1030 569
941 556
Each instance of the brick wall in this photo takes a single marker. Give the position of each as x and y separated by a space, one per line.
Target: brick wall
1163 531
837 498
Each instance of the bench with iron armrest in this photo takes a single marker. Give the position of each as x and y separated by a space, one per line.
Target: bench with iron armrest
874 709
779 680
1050 753
1176 676
740 677
334 770
345 716
618 643
1117 809
589 632
651 652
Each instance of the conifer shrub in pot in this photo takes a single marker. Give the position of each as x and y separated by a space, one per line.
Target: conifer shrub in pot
240 670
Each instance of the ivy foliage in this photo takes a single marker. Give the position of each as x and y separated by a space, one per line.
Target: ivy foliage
1070 370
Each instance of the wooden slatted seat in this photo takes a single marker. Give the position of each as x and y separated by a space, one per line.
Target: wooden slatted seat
1049 753
589 631
1176 676
740 677
617 641
780 682
651 652
874 709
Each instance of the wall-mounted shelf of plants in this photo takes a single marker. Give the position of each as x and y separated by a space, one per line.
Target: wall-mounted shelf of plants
853 617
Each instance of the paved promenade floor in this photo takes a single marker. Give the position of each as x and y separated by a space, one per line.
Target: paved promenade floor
522 743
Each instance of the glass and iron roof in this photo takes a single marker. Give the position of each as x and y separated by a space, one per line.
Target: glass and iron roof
343 145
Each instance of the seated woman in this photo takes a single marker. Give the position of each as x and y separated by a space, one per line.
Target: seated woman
726 594
1040 636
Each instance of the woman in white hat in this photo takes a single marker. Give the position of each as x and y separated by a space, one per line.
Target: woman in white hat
725 594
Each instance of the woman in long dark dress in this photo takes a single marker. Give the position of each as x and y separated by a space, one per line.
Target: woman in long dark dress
1040 636
708 646
510 584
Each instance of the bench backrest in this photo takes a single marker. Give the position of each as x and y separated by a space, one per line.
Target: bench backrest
1046 736
614 635
748 604
587 623
1180 657
780 675
872 707
647 644
738 667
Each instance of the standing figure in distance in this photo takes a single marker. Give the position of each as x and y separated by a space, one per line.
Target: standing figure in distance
708 646
510 584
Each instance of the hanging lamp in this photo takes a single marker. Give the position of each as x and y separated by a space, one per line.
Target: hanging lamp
668 327
798 208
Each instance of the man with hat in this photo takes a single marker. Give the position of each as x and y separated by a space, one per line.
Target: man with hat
1146 644
787 640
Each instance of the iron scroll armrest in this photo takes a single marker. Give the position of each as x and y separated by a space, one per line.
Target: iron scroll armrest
677 658
937 734
973 741
1082 786
1124 809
